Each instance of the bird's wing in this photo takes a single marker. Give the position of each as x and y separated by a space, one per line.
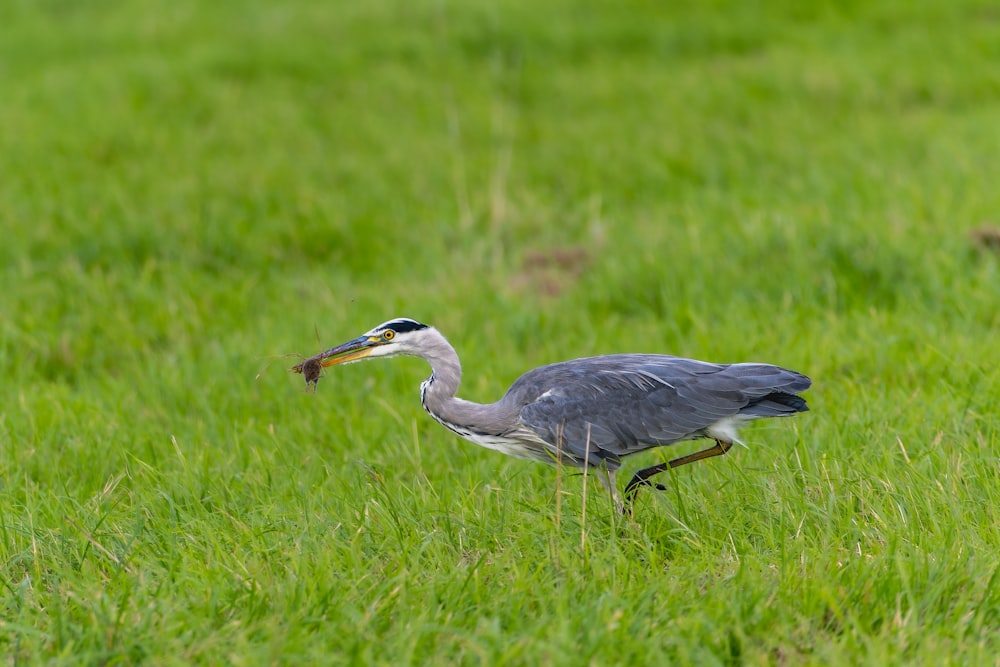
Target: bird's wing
622 404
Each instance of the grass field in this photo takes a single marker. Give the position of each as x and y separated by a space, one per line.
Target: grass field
190 190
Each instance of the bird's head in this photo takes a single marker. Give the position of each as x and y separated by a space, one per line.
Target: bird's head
399 336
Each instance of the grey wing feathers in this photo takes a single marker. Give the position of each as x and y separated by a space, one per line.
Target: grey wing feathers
621 404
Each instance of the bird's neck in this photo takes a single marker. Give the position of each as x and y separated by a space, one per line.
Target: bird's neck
437 393
446 375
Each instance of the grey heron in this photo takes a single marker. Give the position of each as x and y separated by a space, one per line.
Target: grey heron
588 412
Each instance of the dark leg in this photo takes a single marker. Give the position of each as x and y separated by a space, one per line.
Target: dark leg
641 478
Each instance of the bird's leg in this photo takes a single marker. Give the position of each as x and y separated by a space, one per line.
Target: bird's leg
607 478
641 478
720 448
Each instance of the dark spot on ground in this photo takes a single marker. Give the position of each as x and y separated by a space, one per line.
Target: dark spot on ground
552 271
986 237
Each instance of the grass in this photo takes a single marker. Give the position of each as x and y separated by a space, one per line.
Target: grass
190 190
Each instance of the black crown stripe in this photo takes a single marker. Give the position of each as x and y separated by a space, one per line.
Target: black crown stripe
404 326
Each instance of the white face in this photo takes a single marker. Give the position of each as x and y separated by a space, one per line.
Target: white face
397 336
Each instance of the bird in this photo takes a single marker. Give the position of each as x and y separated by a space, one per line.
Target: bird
589 412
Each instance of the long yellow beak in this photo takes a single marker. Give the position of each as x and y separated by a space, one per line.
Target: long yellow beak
353 350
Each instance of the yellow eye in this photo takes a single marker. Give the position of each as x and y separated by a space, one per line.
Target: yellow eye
388 334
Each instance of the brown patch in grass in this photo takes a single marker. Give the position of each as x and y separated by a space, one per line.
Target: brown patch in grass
986 237
552 271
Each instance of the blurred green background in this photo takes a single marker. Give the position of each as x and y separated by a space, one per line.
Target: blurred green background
190 191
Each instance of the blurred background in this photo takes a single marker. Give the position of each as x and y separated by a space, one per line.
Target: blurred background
188 190
193 194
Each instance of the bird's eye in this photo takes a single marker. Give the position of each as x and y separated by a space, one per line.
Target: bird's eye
388 334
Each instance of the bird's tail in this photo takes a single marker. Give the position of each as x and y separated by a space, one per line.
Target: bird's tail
775 404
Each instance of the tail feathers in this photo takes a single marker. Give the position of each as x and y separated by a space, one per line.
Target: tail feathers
776 404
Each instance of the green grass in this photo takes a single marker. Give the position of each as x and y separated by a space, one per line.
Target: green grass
188 190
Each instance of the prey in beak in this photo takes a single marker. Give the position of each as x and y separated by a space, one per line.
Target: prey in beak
353 350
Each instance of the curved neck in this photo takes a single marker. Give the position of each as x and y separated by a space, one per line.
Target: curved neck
437 394
446 373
